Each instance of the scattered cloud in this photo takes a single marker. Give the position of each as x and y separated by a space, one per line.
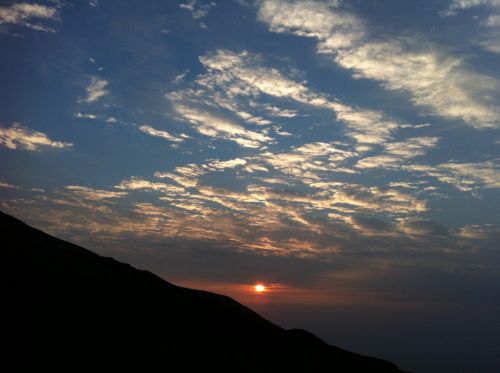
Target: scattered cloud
179 78
216 126
197 9
396 153
17 187
279 112
478 232
379 199
440 82
93 194
463 176
21 14
18 136
490 37
85 116
421 227
157 133
457 5
96 89
309 161
231 163
232 78
136 183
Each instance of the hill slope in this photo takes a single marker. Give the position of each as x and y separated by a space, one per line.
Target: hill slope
77 308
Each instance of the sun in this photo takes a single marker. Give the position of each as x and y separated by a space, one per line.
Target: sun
259 288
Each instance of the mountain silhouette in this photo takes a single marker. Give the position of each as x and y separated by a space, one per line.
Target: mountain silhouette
77 309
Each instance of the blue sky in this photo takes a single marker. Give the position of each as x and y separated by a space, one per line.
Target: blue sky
332 149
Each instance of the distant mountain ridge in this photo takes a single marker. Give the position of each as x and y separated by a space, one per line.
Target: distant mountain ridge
78 309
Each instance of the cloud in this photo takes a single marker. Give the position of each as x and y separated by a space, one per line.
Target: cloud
18 136
436 81
179 78
242 74
457 5
245 74
379 199
364 125
96 89
93 194
421 227
16 187
213 125
493 21
187 175
240 83
21 13
367 226
395 153
136 183
478 232
231 163
8 186
279 112
197 10
85 116
463 176
157 133
310 160
490 37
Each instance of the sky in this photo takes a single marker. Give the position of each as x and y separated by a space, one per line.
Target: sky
343 153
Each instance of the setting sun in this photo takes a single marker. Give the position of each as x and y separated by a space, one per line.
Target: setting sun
260 288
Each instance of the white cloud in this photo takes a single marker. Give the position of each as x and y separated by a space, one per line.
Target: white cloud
96 89
365 126
456 5
232 78
93 194
197 10
309 161
85 116
463 176
8 186
16 187
213 125
490 38
186 182
179 78
241 74
439 82
478 232
493 20
187 175
136 183
279 112
157 133
251 168
379 199
21 13
243 70
231 163
397 152
18 136
421 227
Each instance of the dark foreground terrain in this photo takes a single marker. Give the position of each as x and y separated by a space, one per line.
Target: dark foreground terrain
75 309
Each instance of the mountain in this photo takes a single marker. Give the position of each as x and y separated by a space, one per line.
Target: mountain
74 308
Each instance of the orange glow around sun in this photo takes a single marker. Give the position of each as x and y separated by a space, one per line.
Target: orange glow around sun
259 288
